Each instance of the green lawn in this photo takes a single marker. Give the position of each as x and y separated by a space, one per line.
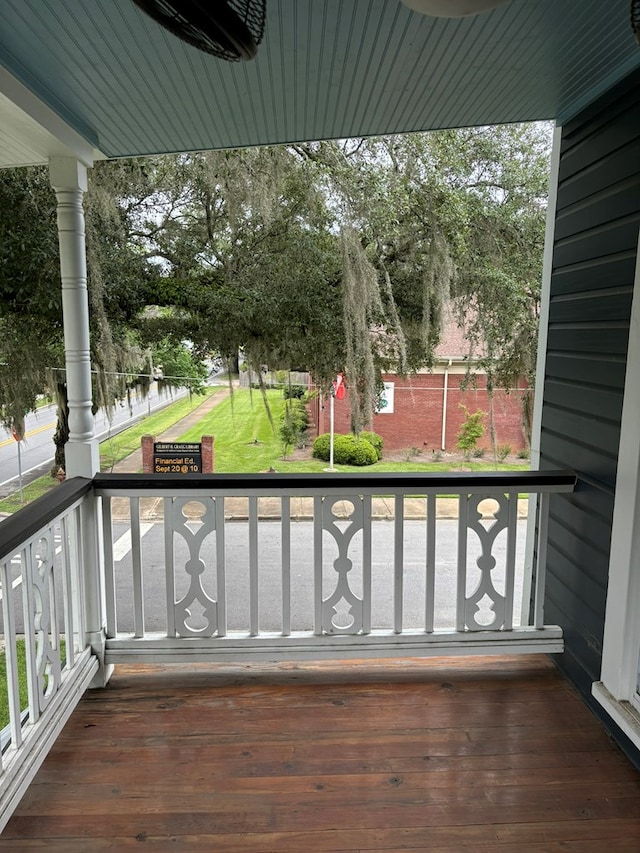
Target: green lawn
315 465
237 422
245 441
22 682
119 446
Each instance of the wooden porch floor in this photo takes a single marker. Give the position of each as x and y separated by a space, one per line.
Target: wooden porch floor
480 753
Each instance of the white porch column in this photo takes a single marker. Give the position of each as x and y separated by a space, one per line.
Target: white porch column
69 180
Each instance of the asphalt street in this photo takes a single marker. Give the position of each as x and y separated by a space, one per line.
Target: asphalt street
37 450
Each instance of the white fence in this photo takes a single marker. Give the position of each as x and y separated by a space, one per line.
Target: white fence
280 567
43 628
264 567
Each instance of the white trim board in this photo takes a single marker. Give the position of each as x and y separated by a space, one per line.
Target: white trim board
541 363
621 646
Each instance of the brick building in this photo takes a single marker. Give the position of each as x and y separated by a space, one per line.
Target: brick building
424 410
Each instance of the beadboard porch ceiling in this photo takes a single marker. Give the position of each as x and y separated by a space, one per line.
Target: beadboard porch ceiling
100 73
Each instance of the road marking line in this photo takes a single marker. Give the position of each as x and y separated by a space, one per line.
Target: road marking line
31 432
122 547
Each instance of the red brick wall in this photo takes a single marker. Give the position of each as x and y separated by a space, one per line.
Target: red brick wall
417 417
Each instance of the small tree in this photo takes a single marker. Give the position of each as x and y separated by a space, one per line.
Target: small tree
293 425
471 430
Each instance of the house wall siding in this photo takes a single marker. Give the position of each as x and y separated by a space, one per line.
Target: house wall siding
595 247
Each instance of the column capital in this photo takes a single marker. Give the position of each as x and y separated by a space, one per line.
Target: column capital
67 173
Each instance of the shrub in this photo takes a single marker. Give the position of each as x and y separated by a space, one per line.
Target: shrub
375 441
321 447
294 392
412 453
471 430
523 454
347 450
478 452
502 451
294 423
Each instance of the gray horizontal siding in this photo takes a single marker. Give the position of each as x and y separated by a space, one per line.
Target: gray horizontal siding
609 271
562 451
590 337
608 238
612 169
601 305
587 369
592 400
596 240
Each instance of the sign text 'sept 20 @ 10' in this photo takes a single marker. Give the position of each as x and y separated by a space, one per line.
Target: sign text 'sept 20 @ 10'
177 457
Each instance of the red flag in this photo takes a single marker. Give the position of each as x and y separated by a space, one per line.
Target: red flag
338 387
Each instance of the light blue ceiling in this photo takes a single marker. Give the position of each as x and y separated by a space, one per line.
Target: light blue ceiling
326 68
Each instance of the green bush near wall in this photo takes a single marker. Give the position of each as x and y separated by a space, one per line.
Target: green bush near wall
347 450
375 440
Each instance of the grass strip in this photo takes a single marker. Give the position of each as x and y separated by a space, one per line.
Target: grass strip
245 441
117 447
21 654
22 682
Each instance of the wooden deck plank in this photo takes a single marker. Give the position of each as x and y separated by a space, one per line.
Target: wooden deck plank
482 753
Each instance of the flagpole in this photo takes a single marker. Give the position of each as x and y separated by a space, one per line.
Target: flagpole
337 390
20 474
331 424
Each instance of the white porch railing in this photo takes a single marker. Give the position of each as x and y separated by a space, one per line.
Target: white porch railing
277 567
43 632
255 567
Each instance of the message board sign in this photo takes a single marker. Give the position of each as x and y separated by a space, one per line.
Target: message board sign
177 457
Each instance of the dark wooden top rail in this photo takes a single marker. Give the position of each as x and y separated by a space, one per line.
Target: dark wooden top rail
458 481
23 524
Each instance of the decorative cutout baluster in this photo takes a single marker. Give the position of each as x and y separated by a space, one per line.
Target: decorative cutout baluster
486 562
196 598
45 623
343 611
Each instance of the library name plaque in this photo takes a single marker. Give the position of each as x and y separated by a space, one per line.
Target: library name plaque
177 457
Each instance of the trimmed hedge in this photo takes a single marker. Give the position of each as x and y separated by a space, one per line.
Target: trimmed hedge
347 450
321 447
374 439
